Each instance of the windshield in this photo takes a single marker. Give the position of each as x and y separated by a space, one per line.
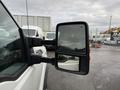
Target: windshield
10 52
30 32
50 36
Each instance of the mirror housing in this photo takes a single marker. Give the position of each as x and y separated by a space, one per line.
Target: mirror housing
72 47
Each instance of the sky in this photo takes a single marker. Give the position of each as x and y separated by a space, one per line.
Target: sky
95 12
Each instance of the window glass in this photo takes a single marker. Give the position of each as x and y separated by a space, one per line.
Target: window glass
51 35
10 51
30 32
75 39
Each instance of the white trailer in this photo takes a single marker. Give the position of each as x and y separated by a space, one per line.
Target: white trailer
42 21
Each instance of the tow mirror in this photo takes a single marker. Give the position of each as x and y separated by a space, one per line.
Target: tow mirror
72 47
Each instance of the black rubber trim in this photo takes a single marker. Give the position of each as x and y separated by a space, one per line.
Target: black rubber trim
5 75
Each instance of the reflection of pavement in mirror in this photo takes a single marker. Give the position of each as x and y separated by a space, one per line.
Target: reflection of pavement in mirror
68 62
69 65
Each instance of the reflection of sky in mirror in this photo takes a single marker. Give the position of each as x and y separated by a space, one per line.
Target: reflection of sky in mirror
72 36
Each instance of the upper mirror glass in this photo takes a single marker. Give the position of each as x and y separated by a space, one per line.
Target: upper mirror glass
72 38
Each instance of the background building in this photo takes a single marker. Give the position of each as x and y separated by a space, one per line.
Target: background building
42 21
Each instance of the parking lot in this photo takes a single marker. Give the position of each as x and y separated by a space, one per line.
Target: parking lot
104 72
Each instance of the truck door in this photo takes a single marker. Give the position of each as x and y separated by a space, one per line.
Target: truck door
15 72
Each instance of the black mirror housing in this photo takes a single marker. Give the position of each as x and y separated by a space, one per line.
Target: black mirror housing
72 47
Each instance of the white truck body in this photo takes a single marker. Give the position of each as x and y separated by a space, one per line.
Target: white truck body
16 73
31 79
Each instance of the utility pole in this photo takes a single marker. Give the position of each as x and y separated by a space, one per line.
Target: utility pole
96 34
91 35
110 22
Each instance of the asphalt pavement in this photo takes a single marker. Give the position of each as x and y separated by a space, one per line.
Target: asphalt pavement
104 72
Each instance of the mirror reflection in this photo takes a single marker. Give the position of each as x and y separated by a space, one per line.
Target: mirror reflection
68 62
72 37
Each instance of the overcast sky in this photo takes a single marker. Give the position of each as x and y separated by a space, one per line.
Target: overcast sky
96 12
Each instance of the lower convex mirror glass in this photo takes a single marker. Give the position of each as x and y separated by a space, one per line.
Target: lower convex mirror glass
68 62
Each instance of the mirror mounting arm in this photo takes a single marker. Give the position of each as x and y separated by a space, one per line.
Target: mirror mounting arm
36 59
39 42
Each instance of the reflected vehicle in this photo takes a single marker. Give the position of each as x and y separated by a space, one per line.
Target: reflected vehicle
69 62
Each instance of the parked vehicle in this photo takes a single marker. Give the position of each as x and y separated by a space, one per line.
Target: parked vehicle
96 45
108 41
50 36
21 70
35 31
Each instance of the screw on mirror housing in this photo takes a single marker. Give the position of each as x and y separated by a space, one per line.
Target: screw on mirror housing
72 47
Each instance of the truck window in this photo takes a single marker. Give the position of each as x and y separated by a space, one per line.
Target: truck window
11 57
50 36
29 32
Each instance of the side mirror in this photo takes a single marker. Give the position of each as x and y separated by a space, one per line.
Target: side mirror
72 47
